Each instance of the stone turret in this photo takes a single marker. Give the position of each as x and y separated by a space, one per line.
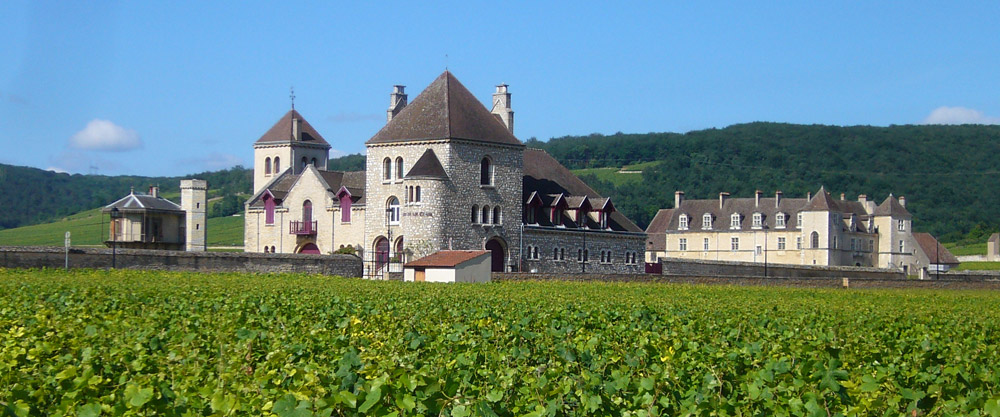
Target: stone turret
397 101
195 205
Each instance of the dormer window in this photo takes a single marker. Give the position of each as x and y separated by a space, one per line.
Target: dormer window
581 218
758 220
779 220
734 221
529 214
556 216
603 215
706 221
682 222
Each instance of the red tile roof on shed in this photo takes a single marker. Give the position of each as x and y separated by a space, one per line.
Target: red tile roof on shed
446 258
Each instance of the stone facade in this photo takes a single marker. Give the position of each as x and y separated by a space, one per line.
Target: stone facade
554 250
195 205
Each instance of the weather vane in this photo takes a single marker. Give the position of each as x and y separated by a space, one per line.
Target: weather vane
292 96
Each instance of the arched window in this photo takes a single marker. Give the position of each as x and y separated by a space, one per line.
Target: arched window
277 165
307 214
267 166
486 171
386 169
399 167
397 249
815 240
304 162
475 214
267 249
497 217
268 209
393 210
313 161
485 215
272 249
416 194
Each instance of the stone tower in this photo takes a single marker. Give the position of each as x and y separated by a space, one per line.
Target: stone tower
291 143
895 238
194 204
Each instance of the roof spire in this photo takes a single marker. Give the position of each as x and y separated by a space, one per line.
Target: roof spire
291 95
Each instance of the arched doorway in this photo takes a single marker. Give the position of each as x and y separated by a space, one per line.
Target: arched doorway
309 248
496 247
381 251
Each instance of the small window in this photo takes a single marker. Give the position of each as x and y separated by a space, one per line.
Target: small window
197 205
585 256
835 245
475 214
758 220
267 171
901 226
486 171
197 226
399 167
734 221
779 221
798 220
683 244
304 162
579 255
798 242
562 254
272 249
555 254
313 161
901 247
486 215
705 243
556 216
386 169
534 252
706 221
759 250
603 215
393 212
682 222
815 240
781 243
416 194
734 244
529 214
277 167
854 244
497 215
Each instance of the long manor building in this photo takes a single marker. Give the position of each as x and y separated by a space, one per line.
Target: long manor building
444 173
816 230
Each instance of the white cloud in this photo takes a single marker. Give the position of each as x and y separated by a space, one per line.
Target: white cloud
214 161
959 116
103 135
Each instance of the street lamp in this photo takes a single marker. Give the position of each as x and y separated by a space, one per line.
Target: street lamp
115 215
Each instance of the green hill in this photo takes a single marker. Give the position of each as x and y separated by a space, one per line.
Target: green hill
947 173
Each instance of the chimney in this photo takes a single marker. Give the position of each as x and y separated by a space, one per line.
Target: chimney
501 107
777 198
809 195
154 191
756 198
841 196
862 198
296 128
397 101
678 198
902 201
722 199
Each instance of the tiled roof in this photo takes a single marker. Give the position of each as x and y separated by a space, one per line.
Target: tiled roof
428 166
550 179
891 207
143 202
283 183
282 131
445 110
936 253
655 240
447 258
821 202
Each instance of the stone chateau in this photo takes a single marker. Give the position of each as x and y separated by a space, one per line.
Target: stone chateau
445 172
816 230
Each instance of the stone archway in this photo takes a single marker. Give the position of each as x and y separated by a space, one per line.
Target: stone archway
498 252
309 248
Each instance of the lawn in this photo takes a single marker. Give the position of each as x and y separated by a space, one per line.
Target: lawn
973 249
978 266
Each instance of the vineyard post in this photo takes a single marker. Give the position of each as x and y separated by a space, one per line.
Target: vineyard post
115 215
67 251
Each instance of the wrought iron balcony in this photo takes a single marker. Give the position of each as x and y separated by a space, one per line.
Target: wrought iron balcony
302 228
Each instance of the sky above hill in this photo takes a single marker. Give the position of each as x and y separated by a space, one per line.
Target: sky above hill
173 88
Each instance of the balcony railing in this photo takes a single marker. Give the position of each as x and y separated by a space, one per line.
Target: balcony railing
302 228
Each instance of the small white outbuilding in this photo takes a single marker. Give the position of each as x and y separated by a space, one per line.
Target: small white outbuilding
450 266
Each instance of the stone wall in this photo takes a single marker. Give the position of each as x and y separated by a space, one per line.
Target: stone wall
568 243
54 257
750 269
805 282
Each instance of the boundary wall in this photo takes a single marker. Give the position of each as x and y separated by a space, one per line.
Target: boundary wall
691 267
100 258
826 282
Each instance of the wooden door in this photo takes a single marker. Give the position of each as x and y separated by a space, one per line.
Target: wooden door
419 275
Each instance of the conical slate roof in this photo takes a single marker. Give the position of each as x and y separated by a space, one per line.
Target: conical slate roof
821 202
891 207
282 131
428 166
445 110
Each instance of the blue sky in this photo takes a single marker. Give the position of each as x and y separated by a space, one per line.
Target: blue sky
172 88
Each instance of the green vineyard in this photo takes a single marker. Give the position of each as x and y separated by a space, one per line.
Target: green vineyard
94 343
